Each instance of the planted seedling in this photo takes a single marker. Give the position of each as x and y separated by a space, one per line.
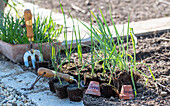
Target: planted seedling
75 92
60 86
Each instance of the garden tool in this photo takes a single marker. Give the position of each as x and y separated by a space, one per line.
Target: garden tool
45 72
51 73
32 53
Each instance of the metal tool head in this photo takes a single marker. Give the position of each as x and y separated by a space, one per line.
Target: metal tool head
32 53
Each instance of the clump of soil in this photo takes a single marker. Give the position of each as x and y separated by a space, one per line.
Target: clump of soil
124 78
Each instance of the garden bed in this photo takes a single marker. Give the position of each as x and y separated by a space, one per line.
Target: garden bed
152 49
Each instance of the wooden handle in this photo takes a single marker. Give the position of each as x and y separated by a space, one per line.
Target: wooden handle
50 73
28 23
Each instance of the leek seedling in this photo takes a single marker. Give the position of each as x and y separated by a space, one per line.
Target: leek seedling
78 41
92 48
53 59
54 63
131 70
134 42
78 71
65 32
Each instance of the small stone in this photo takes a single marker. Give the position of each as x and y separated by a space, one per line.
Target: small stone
14 104
19 98
29 68
4 101
140 89
168 97
14 100
22 96
25 101
27 104
142 97
3 97
9 89
112 98
8 104
5 90
10 97
163 94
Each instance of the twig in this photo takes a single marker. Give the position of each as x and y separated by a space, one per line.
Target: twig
163 86
164 39
163 1
78 8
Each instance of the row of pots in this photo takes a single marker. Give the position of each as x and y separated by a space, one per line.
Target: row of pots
65 90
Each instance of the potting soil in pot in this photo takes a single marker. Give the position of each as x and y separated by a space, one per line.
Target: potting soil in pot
108 90
74 93
51 84
61 89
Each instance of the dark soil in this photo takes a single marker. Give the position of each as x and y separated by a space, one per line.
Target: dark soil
137 9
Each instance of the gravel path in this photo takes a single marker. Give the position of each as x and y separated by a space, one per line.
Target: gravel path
11 97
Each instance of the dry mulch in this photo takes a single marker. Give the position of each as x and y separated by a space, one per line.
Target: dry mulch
137 9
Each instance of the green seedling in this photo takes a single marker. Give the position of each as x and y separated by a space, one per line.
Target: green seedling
65 32
78 71
131 70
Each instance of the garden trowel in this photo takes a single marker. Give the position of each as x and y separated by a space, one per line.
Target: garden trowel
32 52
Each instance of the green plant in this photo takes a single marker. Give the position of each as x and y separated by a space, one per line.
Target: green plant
12 32
45 28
